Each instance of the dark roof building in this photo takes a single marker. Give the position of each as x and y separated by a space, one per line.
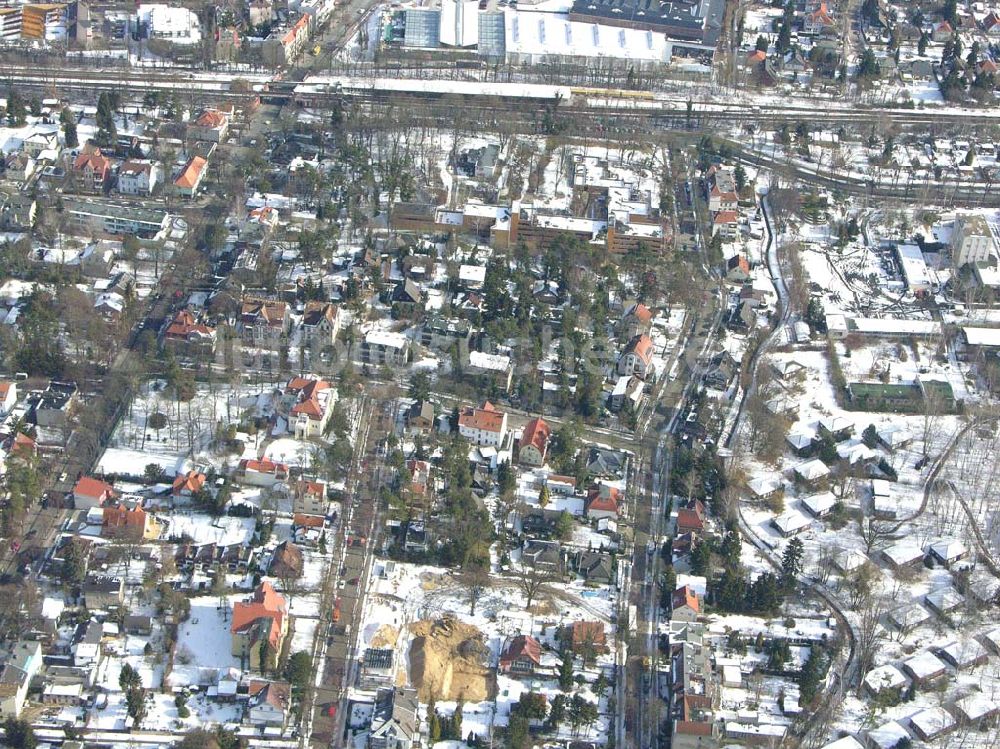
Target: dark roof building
698 21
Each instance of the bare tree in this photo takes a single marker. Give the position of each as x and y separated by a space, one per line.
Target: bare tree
874 532
533 581
475 581
870 633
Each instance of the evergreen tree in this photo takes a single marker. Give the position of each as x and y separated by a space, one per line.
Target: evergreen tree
791 561
566 672
16 113
870 436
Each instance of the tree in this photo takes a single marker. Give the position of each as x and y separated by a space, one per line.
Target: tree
299 669
532 581
16 112
874 532
762 43
582 712
476 581
68 120
564 526
922 43
543 496
129 678
740 177
420 385
19 734
532 705
870 436
135 705
518 735
566 671
868 68
107 130
791 562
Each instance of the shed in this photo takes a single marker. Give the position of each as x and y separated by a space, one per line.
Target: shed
976 707
790 523
883 678
933 722
819 505
962 654
943 600
924 668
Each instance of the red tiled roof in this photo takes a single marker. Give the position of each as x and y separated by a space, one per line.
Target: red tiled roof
192 173
756 56
641 346
536 432
307 389
641 312
685 596
524 646
94 161
726 217
211 118
582 633
184 324
486 419
266 603
301 520
115 518
603 498
262 466
91 487
272 313
192 481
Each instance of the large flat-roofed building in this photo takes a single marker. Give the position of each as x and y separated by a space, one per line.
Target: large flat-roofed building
973 240
94 216
696 21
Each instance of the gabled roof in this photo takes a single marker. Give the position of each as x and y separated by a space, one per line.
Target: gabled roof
211 118
192 173
91 487
536 432
640 312
315 312
135 167
686 596
523 646
115 518
262 466
603 498
94 160
265 605
184 325
485 419
192 482
641 346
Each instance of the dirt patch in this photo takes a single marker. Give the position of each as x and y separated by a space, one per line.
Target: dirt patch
385 637
449 661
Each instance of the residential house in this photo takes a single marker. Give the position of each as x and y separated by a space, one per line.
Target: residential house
685 605
991 25
378 668
8 396
211 125
543 555
626 395
320 325
310 498
737 267
637 358
90 493
406 294
521 657
269 703
384 347
263 473
973 240
396 720
691 519
91 170
491 369
55 405
188 483
263 322
812 474
192 175
17 210
637 320
942 32
725 224
534 442
948 551
595 567
605 463
22 664
420 417
259 626
819 21
287 561
133 525
102 592
721 371
184 334
583 636
603 501
722 195
139 177
924 668
486 426
312 406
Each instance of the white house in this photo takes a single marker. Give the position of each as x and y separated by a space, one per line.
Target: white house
483 426
139 177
